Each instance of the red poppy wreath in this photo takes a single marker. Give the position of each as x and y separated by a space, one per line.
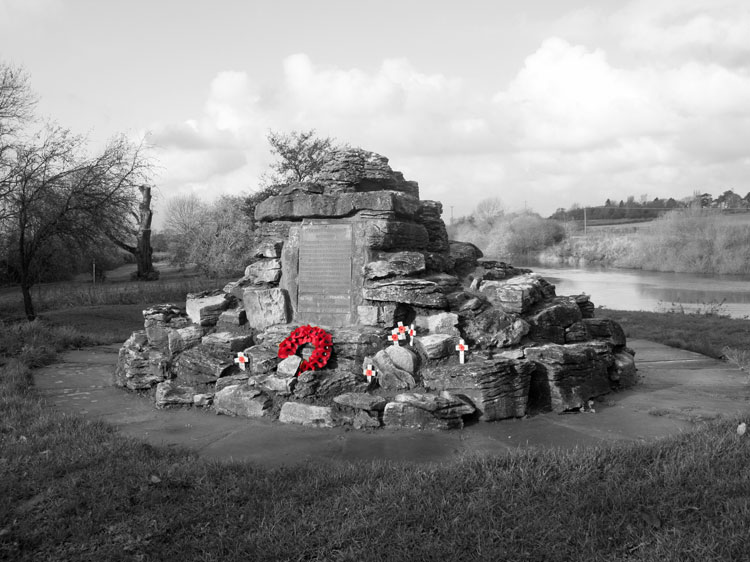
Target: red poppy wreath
319 338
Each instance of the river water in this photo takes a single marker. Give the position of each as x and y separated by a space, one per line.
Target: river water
633 289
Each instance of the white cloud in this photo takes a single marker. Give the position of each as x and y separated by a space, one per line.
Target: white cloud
664 115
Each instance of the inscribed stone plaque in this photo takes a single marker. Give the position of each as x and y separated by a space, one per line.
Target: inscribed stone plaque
325 274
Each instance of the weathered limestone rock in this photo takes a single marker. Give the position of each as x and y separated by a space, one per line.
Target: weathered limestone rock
232 318
226 343
465 256
203 400
305 205
517 294
184 338
159 320
201 365
381 234
396 366
492 270
275 383
288 367
568 376
436 346
266 270
206 307
240 378
306 414
138 365
409 291
492 327
171 393
262 358
361 401
364 420
606 329
362 171
429 216
423 411
306 384
584 303
577 332
268 248
391 265
440 323
623 371
242 400
548 323
265 307
498 387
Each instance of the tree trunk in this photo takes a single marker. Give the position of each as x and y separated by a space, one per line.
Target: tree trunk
143 250
28 306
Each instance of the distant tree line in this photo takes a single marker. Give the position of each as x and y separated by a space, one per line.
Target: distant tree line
645 209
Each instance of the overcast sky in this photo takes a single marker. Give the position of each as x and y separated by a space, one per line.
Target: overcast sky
542 103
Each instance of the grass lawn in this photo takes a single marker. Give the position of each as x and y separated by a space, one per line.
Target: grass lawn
75 490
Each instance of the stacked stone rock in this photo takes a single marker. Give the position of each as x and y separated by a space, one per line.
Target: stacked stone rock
529 349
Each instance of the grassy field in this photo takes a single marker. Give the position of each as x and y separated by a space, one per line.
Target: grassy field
75 490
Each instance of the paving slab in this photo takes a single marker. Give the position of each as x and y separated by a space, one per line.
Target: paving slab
676 390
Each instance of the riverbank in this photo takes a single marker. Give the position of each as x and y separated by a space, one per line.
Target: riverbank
684 241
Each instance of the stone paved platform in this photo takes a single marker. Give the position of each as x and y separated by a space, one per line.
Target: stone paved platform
676 389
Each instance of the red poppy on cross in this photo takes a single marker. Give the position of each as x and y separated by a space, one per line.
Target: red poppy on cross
461 348
241 360
401 328
369 372
395 336
412 332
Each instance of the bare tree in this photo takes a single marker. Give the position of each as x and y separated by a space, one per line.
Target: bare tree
57 193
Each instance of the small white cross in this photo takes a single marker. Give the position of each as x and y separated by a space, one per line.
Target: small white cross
461 348
412 333
241 360
396 336
369 372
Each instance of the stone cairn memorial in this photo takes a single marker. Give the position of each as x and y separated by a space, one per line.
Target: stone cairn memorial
422 332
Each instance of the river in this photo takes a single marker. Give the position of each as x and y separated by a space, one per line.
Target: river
633 289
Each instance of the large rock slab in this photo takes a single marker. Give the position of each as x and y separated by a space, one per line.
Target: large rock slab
140 366
206 307
266 307
396 366
159 321
549 321
263 271
493 327
184 338
568 376
440 323
383 234
429 216
226 343
426 411
242 400
295 206
517 294
171 393
607 330
362 171
201 365
409 291
262 358
436 346
306 414
464 256
395 264
361 401
498 387
622 372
